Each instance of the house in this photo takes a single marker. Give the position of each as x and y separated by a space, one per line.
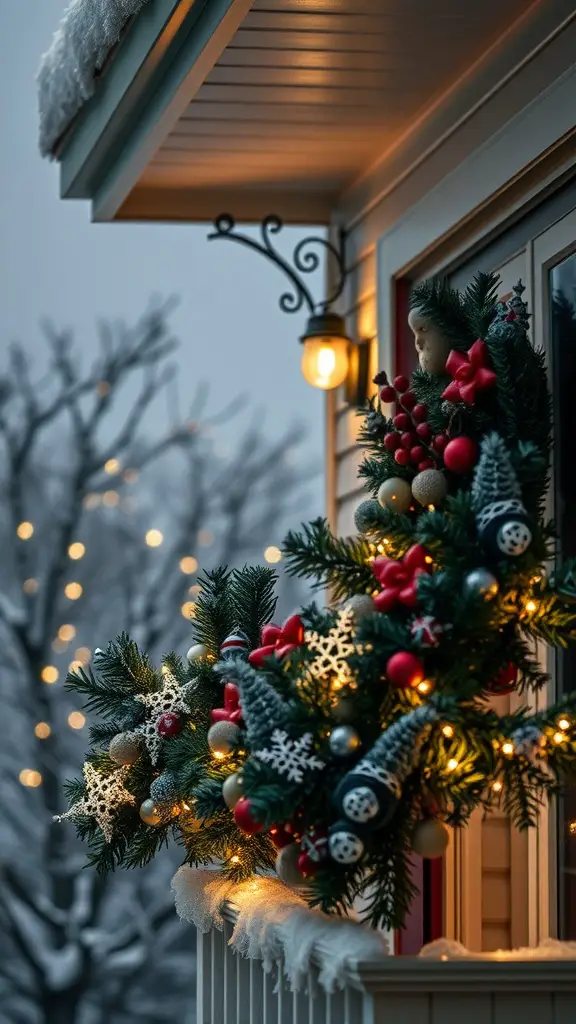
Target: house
440 138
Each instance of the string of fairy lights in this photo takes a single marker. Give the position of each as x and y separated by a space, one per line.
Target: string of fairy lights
73 591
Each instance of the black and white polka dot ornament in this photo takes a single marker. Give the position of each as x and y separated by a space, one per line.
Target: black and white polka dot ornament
368 795
237 644
504 529
345 843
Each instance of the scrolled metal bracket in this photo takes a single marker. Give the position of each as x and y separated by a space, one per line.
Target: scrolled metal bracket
305 260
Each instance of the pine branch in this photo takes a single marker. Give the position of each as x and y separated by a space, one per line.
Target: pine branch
214 617
339 563
251 595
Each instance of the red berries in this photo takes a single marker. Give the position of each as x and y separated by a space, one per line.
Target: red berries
401 383
424 431
407 439
401 421
388 394
402 456
409 400
417 453
392 442
439 443
169 724
420 412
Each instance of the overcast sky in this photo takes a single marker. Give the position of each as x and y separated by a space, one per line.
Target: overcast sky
56 264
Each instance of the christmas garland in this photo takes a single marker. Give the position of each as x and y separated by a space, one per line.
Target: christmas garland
334 747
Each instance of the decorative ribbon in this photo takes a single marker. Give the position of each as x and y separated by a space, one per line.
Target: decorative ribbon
399 578
231 712
278 640
471 373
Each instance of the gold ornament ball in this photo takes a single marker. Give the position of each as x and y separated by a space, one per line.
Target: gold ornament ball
429 487
430 838
197 652
232 790
125 748
395 494
223 737
150 813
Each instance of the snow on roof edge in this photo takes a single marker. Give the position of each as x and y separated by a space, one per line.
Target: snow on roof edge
66 78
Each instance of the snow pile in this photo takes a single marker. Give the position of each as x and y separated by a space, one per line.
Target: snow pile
549 949
276 925
66 78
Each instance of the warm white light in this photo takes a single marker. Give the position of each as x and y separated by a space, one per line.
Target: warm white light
325 362
559 737
66 632
49 674
30 586
188 609
73 591
25 530
76 720
273 554
530 606
188 565
59 646
83 655
235 859
205 538
452 764
448 731
564 723
76 551
508 748
28 777
74 666
497 787
154 538
110 499
130 476
424 687
112 466
42 730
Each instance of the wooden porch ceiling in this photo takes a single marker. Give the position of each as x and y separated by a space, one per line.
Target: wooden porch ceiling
309 93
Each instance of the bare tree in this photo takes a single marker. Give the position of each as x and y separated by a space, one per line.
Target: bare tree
104 529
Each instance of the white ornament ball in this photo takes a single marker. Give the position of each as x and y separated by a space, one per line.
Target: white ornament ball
149 813
125 748
344 741
232 790
223 737
514 538
482 583
287 865
395 494
359 605
197 652
429 487
430 838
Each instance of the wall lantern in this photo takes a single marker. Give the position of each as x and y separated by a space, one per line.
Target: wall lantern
329 357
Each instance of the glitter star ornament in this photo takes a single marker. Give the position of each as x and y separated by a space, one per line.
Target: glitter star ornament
332 651
169 700
105 794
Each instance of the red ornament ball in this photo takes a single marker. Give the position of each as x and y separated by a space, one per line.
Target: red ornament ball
401 383
417 453
169 724
404 670
504 682
281 836
460 455
409 400
244 819
420 412
425 464
424 430
402 456
306 866
407 439
439 443
392 442
401 421
388 394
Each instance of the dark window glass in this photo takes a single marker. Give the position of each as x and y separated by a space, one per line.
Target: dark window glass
563 332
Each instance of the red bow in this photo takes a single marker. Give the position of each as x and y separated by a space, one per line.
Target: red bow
231 712
278 640
399 579
470 373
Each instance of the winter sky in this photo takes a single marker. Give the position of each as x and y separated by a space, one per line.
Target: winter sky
55 264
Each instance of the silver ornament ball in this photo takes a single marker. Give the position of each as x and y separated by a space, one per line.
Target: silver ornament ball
223 737
164 790
197 652
287 865
125 748
430 838
429 487
344 741
366 515
232 790
359 605
395 494
149 813
482 583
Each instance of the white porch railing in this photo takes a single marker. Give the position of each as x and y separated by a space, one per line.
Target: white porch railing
394 990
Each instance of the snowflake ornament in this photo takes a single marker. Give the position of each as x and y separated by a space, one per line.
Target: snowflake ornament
292 758
332 651
104 795
170 699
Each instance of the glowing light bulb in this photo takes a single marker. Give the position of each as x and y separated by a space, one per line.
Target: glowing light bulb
235 859
530 606
497 787
452 764
559 737
188 609
508 748
218 755
76 551
563 723
49 674
30 586
110 499
447 731
73 591
28 777
188 565
154 538
66 632
25 530
76 720
325 362
424 687
273 554
42 730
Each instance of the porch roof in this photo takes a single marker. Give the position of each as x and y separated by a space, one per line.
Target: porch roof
211 105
